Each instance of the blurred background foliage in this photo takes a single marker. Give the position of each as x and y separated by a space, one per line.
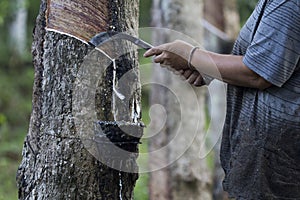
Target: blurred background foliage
16 82
245 9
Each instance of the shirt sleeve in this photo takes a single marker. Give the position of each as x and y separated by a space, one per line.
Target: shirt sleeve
274 51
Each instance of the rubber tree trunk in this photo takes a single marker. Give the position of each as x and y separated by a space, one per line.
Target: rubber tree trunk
224 17
177 172
56 162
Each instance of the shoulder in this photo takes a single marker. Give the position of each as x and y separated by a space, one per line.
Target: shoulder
287 4
283 13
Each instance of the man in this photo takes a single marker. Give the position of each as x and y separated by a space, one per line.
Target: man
260 150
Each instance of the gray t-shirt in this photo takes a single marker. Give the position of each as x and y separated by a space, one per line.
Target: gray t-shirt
260 150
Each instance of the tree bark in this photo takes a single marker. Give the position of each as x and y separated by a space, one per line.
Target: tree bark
56 163
185 175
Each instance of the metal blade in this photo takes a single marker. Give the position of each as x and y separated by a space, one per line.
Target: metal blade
103 37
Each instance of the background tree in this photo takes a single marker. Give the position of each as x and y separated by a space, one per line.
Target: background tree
55 163
18 28
221 29
186 176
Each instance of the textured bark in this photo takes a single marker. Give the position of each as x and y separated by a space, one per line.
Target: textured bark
187 176
224 16
56 164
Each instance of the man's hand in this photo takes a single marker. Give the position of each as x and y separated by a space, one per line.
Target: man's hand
171 55
174 56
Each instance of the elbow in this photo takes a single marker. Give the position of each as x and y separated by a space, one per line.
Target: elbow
261 83
255 80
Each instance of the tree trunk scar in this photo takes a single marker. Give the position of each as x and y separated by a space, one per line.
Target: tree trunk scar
78 19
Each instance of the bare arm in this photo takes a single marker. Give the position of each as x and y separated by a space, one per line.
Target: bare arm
230 67
227 68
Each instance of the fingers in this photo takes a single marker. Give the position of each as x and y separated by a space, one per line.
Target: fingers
192 77
166 58
187 73
199 81
153 51
160 59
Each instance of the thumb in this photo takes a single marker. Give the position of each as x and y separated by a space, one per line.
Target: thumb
152 52
157 50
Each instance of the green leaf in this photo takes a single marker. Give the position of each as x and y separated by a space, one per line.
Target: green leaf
3 119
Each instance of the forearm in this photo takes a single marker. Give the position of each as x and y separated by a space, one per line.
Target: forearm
227 68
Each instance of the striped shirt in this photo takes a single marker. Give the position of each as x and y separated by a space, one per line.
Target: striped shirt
260 150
